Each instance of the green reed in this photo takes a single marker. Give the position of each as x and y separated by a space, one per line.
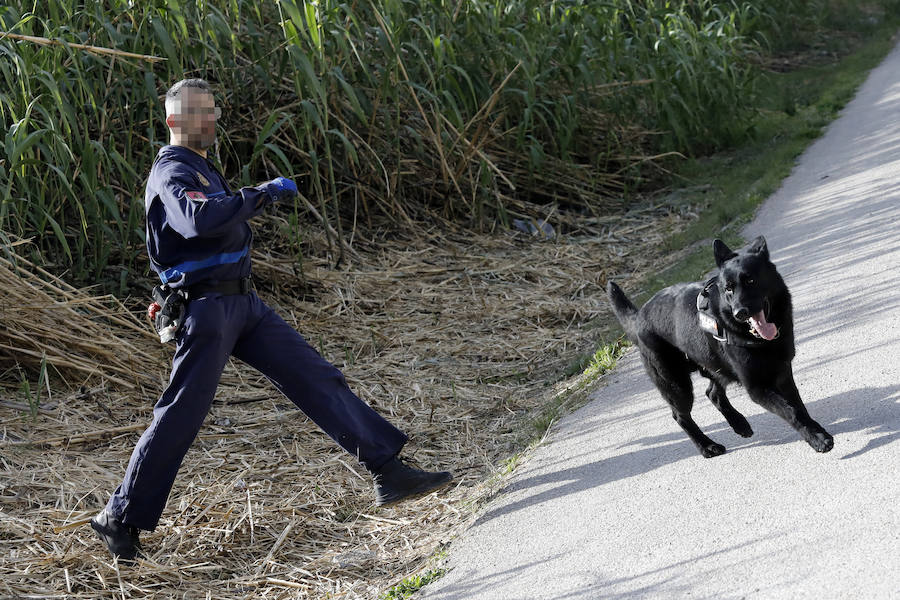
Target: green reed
473 109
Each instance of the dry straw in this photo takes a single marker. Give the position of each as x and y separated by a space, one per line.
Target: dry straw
42 41
457 339
79 334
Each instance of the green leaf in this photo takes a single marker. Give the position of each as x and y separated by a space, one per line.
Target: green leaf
60 237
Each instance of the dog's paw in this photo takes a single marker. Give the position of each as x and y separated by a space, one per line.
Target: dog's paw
712 450
742 427
821 441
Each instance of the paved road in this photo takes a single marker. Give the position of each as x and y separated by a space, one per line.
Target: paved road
619 504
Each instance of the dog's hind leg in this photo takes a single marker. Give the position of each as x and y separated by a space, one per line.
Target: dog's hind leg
672 375
716 394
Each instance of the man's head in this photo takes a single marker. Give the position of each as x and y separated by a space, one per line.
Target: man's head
191 114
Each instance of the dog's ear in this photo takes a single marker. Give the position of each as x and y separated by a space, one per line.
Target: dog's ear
722 253
759 247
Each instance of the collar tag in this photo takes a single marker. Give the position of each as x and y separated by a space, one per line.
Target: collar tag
710 325
708 322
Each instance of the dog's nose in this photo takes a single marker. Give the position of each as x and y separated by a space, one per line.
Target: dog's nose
741 314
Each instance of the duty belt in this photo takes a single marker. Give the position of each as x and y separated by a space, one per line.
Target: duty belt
230 287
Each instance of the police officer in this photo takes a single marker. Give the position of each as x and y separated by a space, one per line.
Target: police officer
199 245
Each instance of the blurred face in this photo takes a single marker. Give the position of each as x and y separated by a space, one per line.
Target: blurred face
192 119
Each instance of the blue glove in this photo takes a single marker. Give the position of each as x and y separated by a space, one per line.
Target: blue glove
280 189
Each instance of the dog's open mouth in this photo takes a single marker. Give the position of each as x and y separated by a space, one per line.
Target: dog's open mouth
760 327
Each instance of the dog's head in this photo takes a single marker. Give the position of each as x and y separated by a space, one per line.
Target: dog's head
748 285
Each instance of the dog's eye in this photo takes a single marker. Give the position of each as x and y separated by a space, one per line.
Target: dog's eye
729 288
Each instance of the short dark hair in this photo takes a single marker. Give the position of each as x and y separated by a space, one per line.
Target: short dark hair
200 84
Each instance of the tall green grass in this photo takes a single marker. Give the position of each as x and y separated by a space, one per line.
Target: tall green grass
475 110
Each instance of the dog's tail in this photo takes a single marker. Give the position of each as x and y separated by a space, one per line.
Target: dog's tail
625 311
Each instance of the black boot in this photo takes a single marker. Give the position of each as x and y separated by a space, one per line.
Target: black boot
396 481
120 538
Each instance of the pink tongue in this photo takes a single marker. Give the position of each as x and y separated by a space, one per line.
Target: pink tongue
766 330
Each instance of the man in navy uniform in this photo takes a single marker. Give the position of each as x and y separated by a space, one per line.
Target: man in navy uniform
199 245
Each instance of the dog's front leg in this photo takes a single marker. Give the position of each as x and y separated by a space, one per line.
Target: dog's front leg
814 433
786 403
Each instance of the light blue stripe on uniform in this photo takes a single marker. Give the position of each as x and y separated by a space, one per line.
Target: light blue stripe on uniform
195 265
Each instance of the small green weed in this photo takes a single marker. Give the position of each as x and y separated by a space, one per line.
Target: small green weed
412 584
601 362
33 397
604 360
25 390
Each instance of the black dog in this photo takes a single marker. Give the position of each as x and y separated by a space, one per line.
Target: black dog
738 326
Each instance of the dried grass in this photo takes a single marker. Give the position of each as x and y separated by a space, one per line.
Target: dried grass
455 339
45 318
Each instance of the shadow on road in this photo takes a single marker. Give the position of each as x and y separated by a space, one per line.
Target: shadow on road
874 411
472 587
595 474
680 577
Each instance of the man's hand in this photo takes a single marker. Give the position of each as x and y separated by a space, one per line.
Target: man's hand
280 189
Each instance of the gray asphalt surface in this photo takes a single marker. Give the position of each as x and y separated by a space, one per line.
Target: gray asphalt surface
619 504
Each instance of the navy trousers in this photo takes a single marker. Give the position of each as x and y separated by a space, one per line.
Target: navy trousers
215 328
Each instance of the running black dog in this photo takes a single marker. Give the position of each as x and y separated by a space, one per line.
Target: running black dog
738 326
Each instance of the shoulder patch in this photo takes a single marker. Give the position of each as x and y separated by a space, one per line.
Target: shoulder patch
202 179
196 196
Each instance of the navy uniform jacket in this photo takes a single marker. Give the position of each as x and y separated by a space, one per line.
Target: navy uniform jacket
197 231
196 227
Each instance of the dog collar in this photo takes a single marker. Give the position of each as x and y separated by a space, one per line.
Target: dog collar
711 325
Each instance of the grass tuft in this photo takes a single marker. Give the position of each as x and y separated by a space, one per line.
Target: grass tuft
412 584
